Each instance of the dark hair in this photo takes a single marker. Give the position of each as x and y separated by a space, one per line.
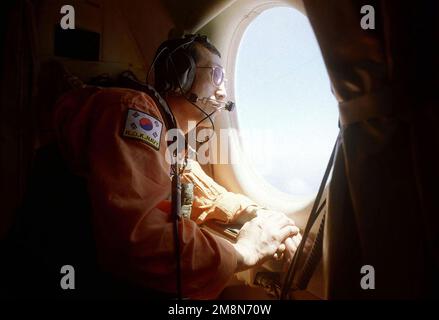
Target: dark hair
204 41
179 48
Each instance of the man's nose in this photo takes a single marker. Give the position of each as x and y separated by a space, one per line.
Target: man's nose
221 93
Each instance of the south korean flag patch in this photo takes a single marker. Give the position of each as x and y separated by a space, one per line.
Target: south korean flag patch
144 127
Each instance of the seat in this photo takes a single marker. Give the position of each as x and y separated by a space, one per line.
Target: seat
55 229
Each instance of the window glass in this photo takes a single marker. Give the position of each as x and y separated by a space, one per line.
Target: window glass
287 115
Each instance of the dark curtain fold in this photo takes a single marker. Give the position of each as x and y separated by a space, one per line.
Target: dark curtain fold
17 91
382 202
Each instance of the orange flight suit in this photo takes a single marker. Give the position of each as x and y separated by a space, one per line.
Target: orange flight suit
129 186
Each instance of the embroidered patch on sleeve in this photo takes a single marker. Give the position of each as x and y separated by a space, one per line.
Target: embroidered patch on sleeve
141 126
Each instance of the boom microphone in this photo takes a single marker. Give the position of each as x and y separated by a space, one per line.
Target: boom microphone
229 105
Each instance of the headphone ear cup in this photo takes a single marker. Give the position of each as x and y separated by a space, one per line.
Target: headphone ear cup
190 73
175 67
184 70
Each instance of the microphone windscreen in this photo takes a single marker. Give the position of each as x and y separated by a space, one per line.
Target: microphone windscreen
230 106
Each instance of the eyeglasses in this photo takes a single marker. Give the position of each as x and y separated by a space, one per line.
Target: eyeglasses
217 73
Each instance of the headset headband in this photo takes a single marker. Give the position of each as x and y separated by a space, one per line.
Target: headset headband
174 64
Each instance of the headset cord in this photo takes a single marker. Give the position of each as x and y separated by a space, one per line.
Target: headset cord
176 197
175 172
213 126
153 63
184 94
176 206
176 183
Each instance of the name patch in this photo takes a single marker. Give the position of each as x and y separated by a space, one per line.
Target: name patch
144 127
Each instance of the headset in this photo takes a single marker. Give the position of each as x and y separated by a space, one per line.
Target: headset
175 68
174 64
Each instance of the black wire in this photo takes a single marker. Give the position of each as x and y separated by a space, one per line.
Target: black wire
153 62
213 126
181 88
184 94
176 173
175 169
176 235
176 205
207 115
187 43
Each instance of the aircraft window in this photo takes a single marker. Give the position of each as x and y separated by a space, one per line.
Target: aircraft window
287 115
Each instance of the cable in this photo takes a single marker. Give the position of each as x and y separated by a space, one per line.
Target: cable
176 186
184 94
180 85
176 206
153 63
176 183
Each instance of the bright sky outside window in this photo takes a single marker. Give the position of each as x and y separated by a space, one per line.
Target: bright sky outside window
287 114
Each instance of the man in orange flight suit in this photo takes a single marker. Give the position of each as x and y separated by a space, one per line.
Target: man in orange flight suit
115 138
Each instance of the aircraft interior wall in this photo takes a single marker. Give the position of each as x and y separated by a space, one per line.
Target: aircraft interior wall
384 176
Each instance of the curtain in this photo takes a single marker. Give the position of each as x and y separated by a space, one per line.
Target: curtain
17 91
382 208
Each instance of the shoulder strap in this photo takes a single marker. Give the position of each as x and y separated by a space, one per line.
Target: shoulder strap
128 80
316 251
162 105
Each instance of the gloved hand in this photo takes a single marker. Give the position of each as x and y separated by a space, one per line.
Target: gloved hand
261 237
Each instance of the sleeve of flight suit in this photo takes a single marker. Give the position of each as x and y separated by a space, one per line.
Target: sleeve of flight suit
128 182
212 201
